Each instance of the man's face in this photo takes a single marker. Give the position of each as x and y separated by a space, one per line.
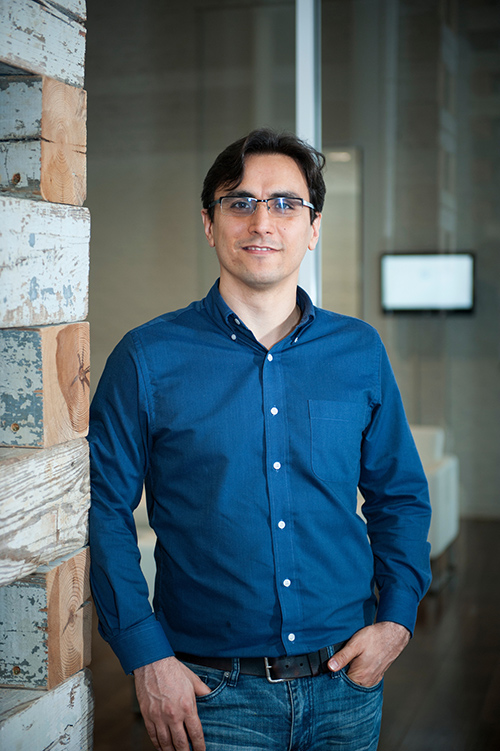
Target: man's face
262 251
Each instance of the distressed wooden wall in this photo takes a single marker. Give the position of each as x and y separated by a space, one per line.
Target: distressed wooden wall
45 688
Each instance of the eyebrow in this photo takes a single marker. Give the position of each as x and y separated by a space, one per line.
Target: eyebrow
275 194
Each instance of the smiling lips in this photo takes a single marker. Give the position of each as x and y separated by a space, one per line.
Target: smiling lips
259 249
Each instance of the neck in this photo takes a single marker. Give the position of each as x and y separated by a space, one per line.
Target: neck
270 315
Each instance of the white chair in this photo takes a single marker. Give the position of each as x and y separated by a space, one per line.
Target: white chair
442 475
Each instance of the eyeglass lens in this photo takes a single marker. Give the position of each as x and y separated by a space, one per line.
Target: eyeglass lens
280 206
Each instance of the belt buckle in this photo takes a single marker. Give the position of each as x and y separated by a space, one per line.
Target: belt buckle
268 668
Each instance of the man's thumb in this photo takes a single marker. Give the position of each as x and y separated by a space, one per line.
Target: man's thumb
200 688
340 659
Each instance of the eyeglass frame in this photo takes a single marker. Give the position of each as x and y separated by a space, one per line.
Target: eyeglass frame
255 201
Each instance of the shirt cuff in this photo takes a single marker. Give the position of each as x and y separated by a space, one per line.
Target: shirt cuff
141 645
399 606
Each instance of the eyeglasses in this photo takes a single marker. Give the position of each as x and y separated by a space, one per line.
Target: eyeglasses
246 206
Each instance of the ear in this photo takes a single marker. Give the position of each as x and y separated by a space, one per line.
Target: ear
208 227
315 226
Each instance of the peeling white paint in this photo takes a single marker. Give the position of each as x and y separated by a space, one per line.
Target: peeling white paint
44 262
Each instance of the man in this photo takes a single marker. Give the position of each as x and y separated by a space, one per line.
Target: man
252 417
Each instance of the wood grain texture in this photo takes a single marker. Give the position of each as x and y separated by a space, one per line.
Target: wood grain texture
43 139
44 503
44 262
44 385
43 37
45 624
43 720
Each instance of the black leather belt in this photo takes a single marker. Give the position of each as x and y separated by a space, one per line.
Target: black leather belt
275 669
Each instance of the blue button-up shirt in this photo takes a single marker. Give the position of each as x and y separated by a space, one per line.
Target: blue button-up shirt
251 461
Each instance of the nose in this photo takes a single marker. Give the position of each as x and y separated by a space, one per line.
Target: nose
261 219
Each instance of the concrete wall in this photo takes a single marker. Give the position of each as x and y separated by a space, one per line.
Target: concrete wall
169 85
447 366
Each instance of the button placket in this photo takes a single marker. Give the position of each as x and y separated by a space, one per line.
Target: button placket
276 442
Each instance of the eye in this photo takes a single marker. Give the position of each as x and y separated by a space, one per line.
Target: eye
239 204
286 205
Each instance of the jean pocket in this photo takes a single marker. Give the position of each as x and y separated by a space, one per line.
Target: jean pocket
363 689
216 680
336 436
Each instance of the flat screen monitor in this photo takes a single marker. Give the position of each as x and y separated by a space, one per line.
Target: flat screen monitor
427 282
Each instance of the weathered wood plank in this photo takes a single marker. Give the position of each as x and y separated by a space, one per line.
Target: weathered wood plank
75 8
45 624
10 70
21 110
44 503
44 385
21 167
48 720
43 139
44 262
41 37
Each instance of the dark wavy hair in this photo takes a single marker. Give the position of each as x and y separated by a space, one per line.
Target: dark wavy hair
227 170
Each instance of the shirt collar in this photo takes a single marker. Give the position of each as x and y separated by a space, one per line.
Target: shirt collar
222 314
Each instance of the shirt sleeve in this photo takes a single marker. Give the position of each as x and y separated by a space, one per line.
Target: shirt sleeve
397 506
120 437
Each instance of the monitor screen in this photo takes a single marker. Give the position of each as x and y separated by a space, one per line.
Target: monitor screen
413 282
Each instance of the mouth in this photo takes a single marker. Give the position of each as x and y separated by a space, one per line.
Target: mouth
258 249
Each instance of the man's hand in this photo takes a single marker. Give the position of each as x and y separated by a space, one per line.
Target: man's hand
371 651
166 692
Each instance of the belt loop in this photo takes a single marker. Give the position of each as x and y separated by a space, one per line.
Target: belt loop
330 651
235 672
334 648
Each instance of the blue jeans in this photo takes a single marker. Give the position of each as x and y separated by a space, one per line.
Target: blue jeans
322 713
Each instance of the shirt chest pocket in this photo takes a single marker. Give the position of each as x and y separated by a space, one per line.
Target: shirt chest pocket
336 436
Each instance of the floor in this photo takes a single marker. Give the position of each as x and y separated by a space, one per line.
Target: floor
443 692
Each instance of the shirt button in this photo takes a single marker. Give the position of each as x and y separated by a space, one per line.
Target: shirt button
274 410
233 337
277 465
270 357
291 637
237 322
286 582
281 524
